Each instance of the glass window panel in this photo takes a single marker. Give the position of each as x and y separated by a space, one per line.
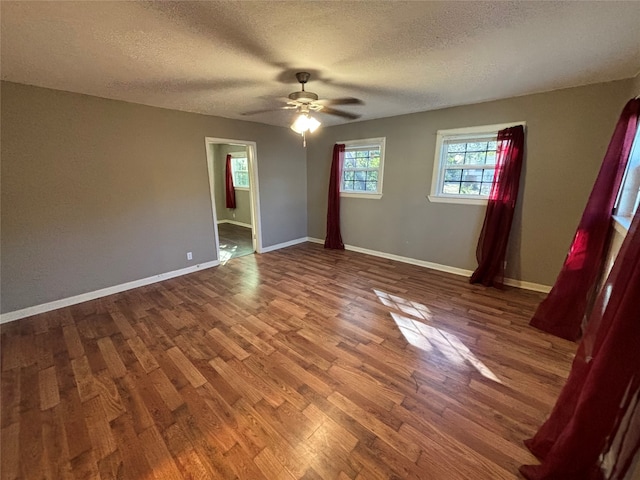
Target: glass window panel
476 146
375 162
349 163
475 157
359 185
456 147
360 175
485 189
455 158
372 176
487 175
491 158
348 185
349 154
470 188
492 145
451 188
474 175
453 175
372 186
362 162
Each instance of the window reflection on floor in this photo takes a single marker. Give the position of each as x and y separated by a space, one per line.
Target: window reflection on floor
416 325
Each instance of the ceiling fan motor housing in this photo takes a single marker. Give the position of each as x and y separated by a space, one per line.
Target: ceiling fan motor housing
303 96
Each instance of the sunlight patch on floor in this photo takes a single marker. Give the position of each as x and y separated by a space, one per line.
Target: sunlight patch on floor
226 254
428 338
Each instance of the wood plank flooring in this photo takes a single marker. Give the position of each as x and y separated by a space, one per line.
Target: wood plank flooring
297 364
235 241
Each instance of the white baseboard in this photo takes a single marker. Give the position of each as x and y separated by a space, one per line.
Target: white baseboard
233 222
537 287
284 245
103 292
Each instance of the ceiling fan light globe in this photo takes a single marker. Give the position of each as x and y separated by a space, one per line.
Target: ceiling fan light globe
304 123
313 124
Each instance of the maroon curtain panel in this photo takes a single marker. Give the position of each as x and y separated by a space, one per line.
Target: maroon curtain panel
603 384
494 237
230 191
334 238
564 309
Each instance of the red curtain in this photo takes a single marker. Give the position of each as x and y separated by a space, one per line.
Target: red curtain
230 191
562 312
603 384
492 244
334 239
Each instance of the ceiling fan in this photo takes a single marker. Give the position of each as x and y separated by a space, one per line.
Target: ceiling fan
304 102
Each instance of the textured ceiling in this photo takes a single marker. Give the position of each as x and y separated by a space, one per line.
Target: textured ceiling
226 58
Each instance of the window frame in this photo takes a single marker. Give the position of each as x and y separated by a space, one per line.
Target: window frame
622 223
379 142
437 179
237 155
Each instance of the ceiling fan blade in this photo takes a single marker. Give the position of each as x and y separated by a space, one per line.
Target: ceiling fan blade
340 101
339 113
255 112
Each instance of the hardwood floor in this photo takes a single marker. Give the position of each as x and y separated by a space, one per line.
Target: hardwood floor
300 363
235 241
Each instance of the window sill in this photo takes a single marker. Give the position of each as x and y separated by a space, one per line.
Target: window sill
370 196
621 224
458 200
241 189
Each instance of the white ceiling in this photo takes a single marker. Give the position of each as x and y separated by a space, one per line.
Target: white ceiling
226 58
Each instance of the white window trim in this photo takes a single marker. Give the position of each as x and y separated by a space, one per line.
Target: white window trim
241 155
438 171
365 142
622 223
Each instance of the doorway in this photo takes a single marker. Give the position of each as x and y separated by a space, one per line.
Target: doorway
237 230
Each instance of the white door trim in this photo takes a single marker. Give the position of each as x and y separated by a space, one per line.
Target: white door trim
254 194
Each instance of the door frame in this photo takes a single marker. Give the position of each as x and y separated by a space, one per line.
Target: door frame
254 196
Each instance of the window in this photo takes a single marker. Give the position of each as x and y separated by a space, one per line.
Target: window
629 195
362 168
240 170
464 164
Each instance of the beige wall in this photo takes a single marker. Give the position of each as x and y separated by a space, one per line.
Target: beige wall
635 90
97 192
242 212
567 134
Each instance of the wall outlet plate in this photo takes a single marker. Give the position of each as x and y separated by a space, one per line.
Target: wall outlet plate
189 255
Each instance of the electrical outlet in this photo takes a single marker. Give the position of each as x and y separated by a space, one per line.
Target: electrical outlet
189 256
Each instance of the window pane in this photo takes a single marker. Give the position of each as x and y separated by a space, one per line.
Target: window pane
492 146
372 176
359 185
471 175
372 186
476 146
485 189
348 185
455 158
349 162
348 175
470 188
456 147
361 175
375 161
475 157
491 158
362 162
487 175
455 175
451 188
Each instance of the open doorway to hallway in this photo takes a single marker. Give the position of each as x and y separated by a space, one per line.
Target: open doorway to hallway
233 180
